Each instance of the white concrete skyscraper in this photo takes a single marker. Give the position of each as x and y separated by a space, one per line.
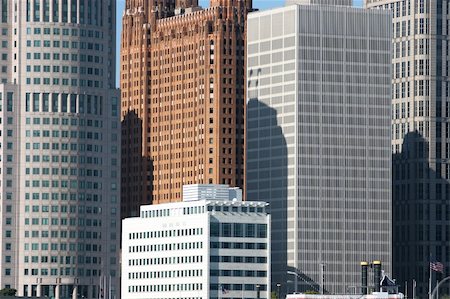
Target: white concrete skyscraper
420 138
318 140
60 141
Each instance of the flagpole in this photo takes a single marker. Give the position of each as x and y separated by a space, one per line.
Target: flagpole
99 286
437 290
429 282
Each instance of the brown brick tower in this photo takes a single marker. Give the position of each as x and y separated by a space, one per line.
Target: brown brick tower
183 106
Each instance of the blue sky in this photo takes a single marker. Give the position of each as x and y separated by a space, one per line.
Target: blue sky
261 4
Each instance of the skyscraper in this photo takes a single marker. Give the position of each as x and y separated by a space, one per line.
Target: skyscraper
420 138
318 140
60 162
182 84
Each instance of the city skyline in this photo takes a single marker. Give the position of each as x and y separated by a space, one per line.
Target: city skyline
261 4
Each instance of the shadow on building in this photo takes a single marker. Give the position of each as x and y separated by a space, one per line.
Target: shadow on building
421 215
267 179
137 167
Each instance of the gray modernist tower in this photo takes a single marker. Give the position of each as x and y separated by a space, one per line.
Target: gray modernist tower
421 137
318 140
60 141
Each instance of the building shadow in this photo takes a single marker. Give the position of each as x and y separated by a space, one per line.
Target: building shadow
421 215
137 167
267 179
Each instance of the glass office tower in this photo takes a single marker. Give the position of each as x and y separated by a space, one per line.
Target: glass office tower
318 140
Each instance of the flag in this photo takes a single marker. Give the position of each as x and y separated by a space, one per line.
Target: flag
437 267
225 290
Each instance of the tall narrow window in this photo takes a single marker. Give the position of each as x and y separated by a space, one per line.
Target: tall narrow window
73 12
4 11
81 103
37 11
46 10
64 102
54 102
73 103
55 10
28 10
65 11
35 102
81 20
89 12
45 105
9 101
27 102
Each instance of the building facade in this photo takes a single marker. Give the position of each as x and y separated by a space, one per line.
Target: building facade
212 245
420 137
318 136
60 161
182 84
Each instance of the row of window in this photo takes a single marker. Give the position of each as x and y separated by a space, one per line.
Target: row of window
237 287
238 259
63 209
63 147
64 159
73 184
238 273
64 196
64 134
64 121
166 233
66 57
74 222
80 247
63 31
63 233
64 44
165 274
81 272
166 247
166 260
238 245
63 260
238 230
64 69
73 103
241 209
89 12
65 171
165 288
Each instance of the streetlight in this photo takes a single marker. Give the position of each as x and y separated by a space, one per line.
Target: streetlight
278 290
257 291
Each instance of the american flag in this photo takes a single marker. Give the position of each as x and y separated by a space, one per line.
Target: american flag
437 266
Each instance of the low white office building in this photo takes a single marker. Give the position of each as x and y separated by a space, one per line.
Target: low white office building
211 245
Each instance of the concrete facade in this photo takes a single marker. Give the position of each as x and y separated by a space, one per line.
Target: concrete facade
420 138
60 163
182 84
318 140
200 249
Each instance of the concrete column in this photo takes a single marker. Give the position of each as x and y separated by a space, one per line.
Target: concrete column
75 292
38 290
57 291
29 291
